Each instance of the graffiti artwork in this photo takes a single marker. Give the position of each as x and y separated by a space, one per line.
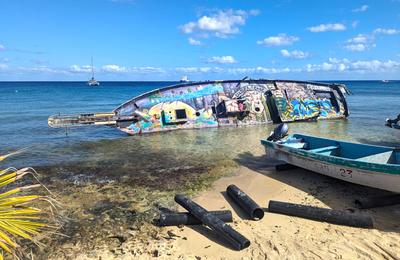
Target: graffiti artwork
221 103
210 104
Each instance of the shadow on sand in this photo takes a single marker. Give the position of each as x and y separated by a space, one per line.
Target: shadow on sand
211 235
335 193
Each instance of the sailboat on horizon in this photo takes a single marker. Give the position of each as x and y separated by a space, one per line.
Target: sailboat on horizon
93 81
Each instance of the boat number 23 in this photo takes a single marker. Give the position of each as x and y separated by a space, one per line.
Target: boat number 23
346 173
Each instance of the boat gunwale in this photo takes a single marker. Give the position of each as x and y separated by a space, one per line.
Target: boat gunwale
386 168
260 81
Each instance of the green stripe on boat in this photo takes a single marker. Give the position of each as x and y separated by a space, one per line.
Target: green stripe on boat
370 158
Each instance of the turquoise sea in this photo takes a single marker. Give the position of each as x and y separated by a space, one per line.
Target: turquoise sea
104 178
25 107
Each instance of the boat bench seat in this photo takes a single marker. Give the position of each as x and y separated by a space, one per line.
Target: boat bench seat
296 145
377 158
324 149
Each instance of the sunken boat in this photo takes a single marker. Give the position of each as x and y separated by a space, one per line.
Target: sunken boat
208 104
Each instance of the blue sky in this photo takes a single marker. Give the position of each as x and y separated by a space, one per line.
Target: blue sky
164 40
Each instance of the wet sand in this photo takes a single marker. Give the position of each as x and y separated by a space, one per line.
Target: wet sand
110 197
273 237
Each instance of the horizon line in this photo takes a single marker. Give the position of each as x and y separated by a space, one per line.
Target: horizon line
107 81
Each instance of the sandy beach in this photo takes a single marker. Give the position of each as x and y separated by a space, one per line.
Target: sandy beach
109 203
112 108
275 236
282 237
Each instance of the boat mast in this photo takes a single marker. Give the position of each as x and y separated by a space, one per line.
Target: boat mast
92 69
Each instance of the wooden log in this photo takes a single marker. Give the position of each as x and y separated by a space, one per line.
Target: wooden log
237 240
321 214
380 201
185 218
245 202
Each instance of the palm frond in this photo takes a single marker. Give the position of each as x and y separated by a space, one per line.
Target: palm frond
18 219
3 157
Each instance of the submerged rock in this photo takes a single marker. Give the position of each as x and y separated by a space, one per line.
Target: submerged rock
101 206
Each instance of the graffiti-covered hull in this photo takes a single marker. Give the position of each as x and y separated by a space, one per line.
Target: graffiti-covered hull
221 103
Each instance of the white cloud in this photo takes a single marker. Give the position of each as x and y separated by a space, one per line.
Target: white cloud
234 71
189 27
285 53
187 69
279 40
79 69
3 66
374 65
2 47
258 70
74 69
333 66
361 9
220 24
359 47
222 60
296 54
363 66
354 24
194 41
360 43
144 70
327 27
42 69
336 60
197 70
363 42
386 31
360 38
113 68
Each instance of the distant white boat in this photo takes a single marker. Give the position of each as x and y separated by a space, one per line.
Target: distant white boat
93 81
385 81
184 79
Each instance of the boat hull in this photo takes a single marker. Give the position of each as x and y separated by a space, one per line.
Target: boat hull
384 181
234 102
209 104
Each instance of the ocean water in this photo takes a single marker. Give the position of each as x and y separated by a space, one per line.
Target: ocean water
104 178
25 107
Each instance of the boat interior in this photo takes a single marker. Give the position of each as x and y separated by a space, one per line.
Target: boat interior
353 151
